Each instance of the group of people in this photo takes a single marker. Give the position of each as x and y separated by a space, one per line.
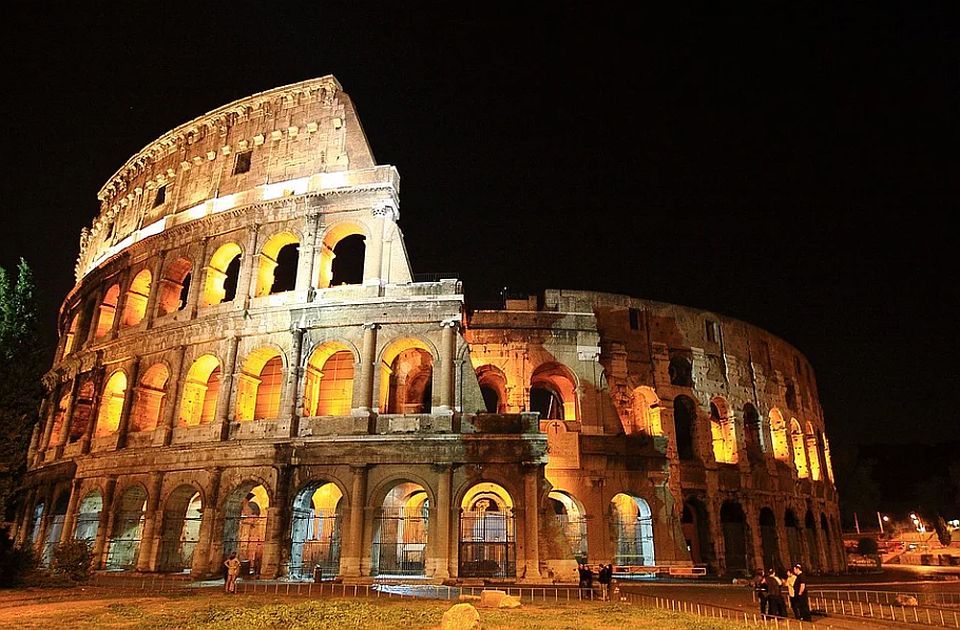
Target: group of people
769 589
604 578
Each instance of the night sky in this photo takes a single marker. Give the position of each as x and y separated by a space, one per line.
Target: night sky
792 167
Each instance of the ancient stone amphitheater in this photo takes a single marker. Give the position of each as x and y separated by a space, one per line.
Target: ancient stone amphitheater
247 363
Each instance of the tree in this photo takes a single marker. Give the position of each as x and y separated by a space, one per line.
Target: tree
22 364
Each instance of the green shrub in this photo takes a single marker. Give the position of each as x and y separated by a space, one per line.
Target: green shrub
73 559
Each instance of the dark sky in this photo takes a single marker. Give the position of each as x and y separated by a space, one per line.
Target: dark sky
790 166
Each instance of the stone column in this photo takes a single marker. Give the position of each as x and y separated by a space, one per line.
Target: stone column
448 352
246 280
171 403
121 305
755 559
368 364
350 563
291 389
274 537
151 308
23 531
306 260
93 321
373 254
67 425
202 562
71 516
100 546
198 281
531 523
443 510
226 388
94 410
123 430
152 519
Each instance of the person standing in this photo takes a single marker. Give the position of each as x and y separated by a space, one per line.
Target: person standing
760 590
775 605
802 595
604 577
791 591
233 571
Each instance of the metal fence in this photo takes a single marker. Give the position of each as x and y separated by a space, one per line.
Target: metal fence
890 597
882 605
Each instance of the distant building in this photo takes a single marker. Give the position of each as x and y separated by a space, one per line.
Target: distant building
247 363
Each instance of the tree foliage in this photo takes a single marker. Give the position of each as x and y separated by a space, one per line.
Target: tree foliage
73 559
22 364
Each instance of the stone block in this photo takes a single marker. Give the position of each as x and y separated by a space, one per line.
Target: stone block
509 601
461 617
491 598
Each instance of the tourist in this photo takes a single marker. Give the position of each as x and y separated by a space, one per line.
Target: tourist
775 604
802 595
760 590
604 576
233 571
791 592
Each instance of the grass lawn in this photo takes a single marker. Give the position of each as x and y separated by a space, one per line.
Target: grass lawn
207 610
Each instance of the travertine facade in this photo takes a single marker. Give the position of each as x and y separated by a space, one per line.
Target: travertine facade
248 364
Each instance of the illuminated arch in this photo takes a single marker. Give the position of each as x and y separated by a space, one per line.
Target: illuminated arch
328 383
71 335
201 387
245 511
111 404
276 265
325 276
59 416
572 521
135 306
813 454
827 463
778 436
315 530
493 388
107 311
400 531
174 286
180 528
406 377
222 275
799 451
646 413
487 532
88 516
553 392
128 520
723 432
631 526
148 398
259 385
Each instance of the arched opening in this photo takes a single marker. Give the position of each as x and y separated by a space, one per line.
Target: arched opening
107 311
493 388
55 520
553 393
201 387
813 545
769 540
341 256
135 306
734 523
631 527
487 533
315 531
60 415
71 335
148 399
813 452
406 380
111 404
36 522
799 452
646 413
722 433
751 431
174 287
400 532
572 521
277 269
259 385
127 530
680 371
83 409
245 525
792 525
696 531
684 423
328 384
778 436
180 531
826 458
222 275
88 517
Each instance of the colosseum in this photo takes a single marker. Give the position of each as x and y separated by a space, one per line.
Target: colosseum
247 363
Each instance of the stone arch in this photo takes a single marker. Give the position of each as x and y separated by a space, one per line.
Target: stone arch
553 392
328 379
406 376
315 530
813 452
695 524
88 516
571 519
680 370
827 462
723 432
487 532
71 335
631 530
128 518
751 429
174 286
223 273
769 540
201 388
778 436
180 529
277 264
83 408
107 311
799 449
326 276
813 544
685 427
400 528
54 526
135 304
63 404
245 522
646 412
493 388
260 384
828 542
149 397
111 404
734 524
792 527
